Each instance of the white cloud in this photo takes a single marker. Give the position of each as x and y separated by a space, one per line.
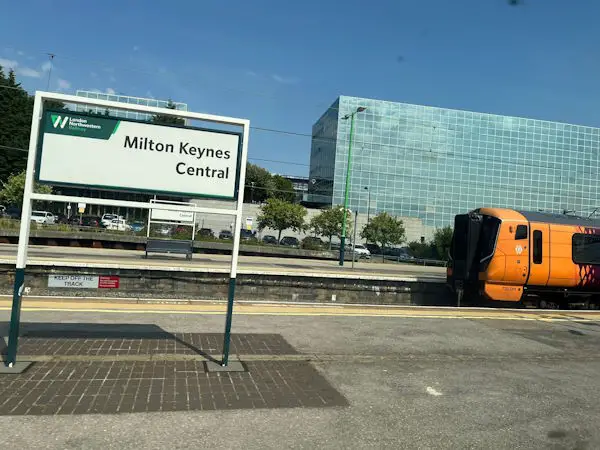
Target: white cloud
20 53
251 73
136 48
93 74
112 79
284 80
29 72
63 84
8 63
46 66
110 91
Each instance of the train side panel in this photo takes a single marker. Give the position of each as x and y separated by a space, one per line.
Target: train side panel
563 272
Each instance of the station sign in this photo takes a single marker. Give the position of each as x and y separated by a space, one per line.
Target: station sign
172 216
111 153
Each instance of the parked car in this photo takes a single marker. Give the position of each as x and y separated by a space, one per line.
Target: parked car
374 249
269 239
290 241
91 221
137 226
42 217
312 243
12 213
165 230
61 218
247 235
108 218
74 221
225 234
361 251
119 225
183 229
206 233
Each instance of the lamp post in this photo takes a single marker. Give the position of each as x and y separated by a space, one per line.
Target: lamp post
368 203
343 240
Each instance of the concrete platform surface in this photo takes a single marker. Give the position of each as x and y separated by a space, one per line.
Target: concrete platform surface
440 381
109 258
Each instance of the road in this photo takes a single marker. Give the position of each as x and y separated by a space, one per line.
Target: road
447 379
124 259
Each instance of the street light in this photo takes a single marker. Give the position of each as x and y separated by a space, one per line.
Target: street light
343 243
368 203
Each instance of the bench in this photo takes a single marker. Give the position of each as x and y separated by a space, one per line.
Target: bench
170 246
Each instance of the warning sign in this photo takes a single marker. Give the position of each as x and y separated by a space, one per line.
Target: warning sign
83 281
108 282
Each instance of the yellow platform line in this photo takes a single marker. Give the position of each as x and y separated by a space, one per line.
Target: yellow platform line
294 310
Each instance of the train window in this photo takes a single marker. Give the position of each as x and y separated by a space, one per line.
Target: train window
521 232
487 240
537 247
586 248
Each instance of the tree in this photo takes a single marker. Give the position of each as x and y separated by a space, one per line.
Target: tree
166 119
442 239
259 184
384 230
16 108
328 223
422 249
281 215
283 189
12 190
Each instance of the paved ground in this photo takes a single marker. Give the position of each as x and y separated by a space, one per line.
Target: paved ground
67 256
520 381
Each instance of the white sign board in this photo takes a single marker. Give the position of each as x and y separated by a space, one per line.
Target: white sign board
105 152
73 281
174 216
83 281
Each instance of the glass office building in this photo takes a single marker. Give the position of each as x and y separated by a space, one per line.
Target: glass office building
125 99
433 163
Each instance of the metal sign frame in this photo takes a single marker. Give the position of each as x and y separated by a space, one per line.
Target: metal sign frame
29 196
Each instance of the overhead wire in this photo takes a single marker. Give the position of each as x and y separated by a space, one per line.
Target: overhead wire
317 139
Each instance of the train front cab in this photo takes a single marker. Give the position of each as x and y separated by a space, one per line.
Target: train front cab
489 256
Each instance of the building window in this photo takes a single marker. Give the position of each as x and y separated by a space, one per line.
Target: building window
537 247
586 248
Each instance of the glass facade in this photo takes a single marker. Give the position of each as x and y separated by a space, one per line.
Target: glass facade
124 99
433 163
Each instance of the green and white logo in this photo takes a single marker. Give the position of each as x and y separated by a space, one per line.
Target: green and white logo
58 121
82 125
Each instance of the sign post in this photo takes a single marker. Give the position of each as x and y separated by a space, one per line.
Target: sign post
124 155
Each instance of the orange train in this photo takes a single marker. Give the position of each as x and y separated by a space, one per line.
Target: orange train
507 256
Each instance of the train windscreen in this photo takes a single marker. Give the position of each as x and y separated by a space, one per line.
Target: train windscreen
488 238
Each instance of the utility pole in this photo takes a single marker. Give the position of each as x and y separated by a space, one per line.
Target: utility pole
346 192
354 238
51 57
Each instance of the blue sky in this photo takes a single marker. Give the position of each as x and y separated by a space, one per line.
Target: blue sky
281 64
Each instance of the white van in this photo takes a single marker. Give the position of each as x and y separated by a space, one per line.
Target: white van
43 217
